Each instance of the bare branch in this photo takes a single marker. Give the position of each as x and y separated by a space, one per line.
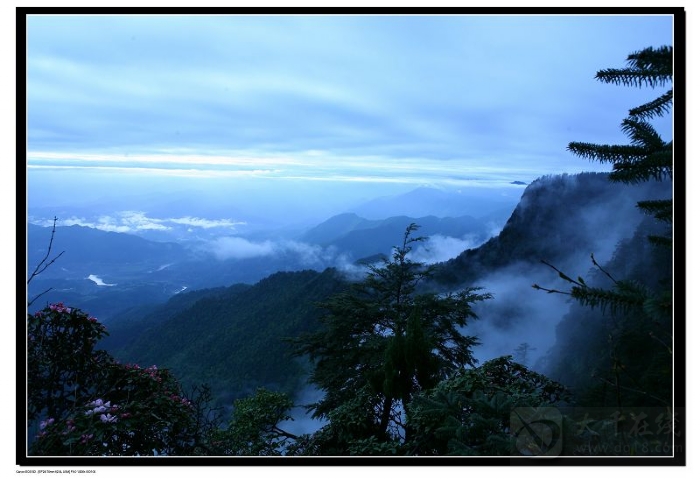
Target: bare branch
547 290
29 303
41 267
595 263
563 276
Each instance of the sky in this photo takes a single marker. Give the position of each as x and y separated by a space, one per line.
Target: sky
326 107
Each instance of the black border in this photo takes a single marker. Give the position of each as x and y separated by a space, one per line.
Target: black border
679 192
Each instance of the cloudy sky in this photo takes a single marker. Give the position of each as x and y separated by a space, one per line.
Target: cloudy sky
328 97
327 108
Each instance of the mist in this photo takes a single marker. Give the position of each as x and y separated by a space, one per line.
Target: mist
232 247
439 248
519 314
301 421
433 249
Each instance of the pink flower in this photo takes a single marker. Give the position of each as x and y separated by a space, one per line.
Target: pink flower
59 307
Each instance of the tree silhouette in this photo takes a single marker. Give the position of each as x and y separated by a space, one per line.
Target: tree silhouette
382 342
640 310
648 156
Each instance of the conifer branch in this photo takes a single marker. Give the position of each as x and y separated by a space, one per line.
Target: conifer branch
661 240
629 77
648 67
661 209
656 165
654 108
607 153
651 58
642 134
626 296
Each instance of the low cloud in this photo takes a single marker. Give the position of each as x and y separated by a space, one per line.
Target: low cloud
310 255
303 255
517 314
232 247
439 248
133 220
205 223
236 247
136 221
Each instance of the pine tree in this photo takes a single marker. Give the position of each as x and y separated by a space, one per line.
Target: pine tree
639 311
382 342
648 156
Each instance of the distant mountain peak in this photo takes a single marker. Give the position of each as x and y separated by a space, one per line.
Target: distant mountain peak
427 201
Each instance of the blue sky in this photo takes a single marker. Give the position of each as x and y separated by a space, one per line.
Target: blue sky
353 100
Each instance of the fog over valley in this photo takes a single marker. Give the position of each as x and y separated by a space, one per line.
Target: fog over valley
205 252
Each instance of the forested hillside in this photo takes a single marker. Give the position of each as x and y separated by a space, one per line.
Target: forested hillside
87 247
232 338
